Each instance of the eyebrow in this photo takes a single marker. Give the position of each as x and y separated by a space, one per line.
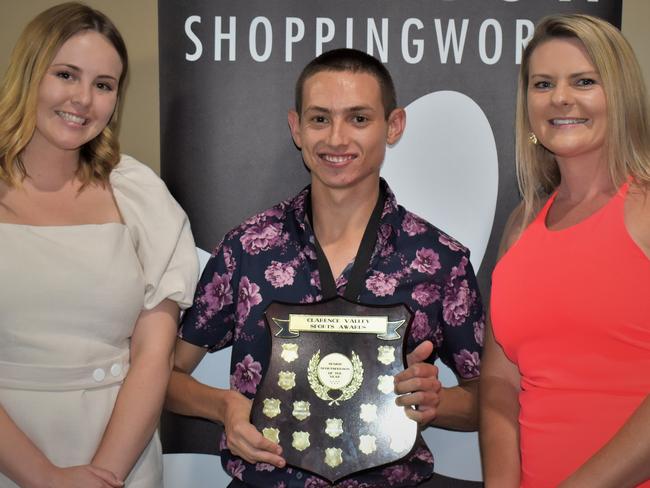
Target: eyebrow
356 108
77 68
572 75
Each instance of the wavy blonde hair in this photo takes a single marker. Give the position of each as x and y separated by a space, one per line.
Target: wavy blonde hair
628 137
36 48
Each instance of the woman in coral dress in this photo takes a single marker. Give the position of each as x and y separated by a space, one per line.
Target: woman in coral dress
96 258
565 379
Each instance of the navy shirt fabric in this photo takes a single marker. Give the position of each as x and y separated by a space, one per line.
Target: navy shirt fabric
271 257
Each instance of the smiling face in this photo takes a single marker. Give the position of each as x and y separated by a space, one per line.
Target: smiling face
78 93
567 107
342 130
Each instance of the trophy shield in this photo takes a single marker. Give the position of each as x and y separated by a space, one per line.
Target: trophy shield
328 394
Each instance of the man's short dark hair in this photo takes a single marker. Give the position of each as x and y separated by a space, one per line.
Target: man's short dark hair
355 61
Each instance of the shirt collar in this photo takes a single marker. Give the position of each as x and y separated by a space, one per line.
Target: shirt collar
297 206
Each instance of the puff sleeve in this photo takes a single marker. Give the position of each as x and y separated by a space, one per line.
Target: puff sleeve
160 232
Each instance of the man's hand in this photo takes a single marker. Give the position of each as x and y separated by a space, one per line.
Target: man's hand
244 440
418 386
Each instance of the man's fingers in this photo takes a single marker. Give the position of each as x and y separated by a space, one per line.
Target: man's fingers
262 456
429 383
423 416
420 353
420 399
418 370
259 442
248 443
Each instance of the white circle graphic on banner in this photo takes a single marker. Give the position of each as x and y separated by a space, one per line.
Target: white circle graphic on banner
445 168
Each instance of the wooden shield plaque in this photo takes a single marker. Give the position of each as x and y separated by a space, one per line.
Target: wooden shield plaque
328 396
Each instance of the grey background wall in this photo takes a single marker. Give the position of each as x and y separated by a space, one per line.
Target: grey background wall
138 22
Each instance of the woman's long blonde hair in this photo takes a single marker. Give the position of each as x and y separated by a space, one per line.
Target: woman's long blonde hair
628 136
36 48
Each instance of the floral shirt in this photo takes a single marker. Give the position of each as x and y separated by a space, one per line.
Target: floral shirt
271 256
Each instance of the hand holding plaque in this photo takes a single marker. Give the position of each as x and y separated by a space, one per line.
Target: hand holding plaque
328 395
244 440
419 386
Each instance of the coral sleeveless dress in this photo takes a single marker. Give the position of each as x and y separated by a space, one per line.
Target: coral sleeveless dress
571 308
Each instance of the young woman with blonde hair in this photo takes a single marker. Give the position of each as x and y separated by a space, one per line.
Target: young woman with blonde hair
564 381
96 259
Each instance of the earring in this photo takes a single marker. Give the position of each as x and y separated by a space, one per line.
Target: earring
532 138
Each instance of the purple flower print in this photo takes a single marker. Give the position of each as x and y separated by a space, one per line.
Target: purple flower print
467 363
456 304
458 271
235 468
249 296
280 484
313 482
309 253
230 262
216 294
261 236
351 484
247 375
280 274
264 467
423 455
420 329
426 261
425 294
396 474
381 284
383 236
341 281
412 225
450 242
223 443
479 331
276 212
314 279
438 338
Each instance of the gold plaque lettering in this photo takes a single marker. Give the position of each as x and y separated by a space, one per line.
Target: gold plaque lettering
271 407
286 379
335 371
334 427
338 323
400 429
289 352
368 412
333 456
367 444
386 354
272 434
300 440
385 384
301 410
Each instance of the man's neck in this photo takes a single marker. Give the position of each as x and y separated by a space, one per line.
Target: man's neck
340 217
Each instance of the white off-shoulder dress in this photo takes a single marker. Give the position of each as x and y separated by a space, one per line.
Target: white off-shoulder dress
69 300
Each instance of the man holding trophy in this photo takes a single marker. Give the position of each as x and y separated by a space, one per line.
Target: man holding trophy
322 296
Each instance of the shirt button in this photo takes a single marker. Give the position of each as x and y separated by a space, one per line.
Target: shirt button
299 475
99 374
116 370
